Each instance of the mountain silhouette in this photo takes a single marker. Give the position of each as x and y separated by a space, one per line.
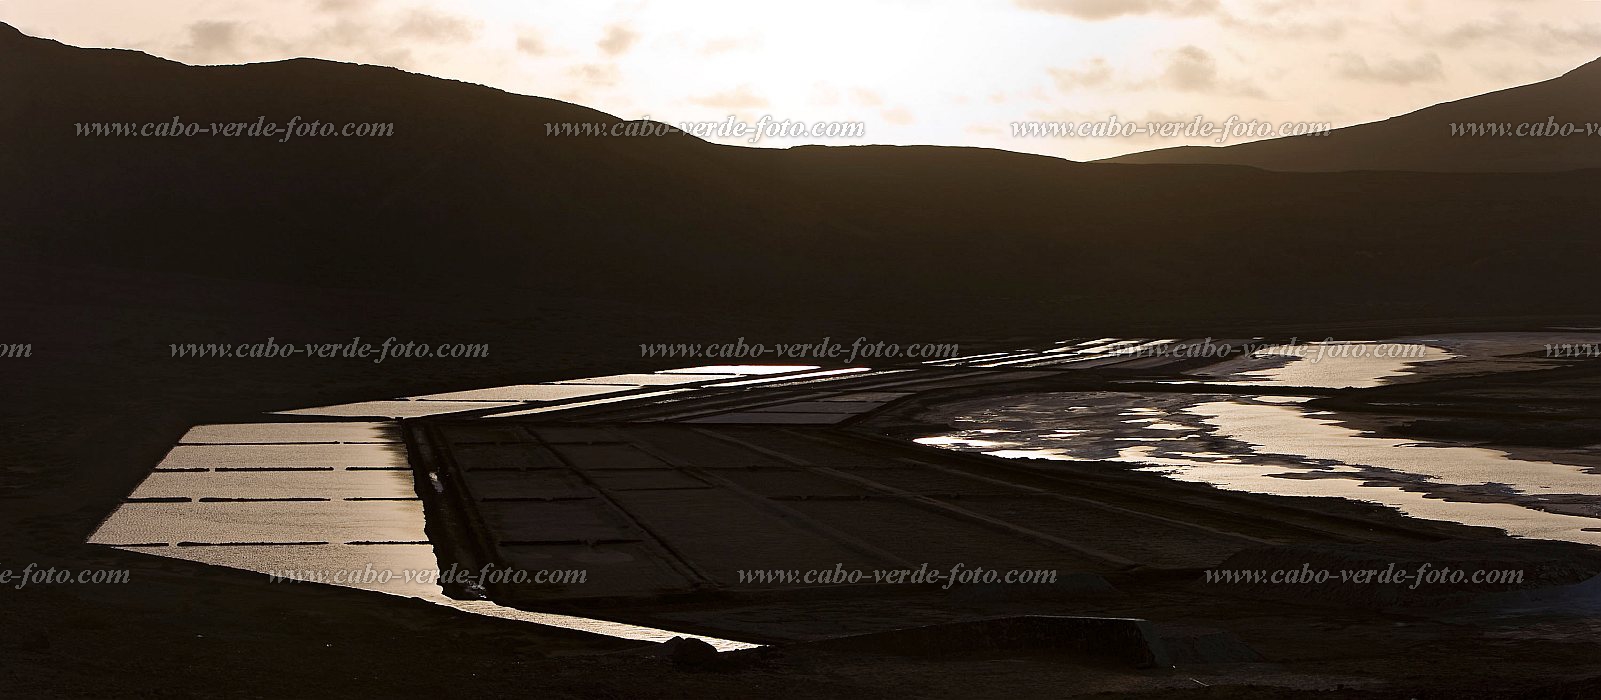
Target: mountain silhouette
470 195
1424 140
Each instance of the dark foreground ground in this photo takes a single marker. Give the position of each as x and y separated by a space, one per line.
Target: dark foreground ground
101 399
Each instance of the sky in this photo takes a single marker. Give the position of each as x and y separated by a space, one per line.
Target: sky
948 72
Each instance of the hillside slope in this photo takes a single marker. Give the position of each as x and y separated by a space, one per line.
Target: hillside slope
1423 141
471 196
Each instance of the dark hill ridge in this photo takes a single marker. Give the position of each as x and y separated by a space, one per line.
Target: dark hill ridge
1422 141
470 195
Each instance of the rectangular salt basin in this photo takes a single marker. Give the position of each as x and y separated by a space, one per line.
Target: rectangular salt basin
614 569
847 407
775 418
518 456
263 522
722 532
396 409
587 404
346 564
608 457
785 379
884 396
524 392
282 433
283 456
547 484
650 379
739 369
575 433
650 479
460 434
526 521
334 485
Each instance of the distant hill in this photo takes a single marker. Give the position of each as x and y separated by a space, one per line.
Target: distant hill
469 196
1423 141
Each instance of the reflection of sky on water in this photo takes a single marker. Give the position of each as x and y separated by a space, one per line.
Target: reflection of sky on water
1273 444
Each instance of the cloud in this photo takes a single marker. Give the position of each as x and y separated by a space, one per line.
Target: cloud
597 74
726 44
1424 68
1097 72
372 43
618 40
341 33
214 39
1518 72
1511 29
865 97
352 37
738 98
1587 35
1276 25
529 42
898 115
341 5
1107 9
429 25
1476 31
1192 69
